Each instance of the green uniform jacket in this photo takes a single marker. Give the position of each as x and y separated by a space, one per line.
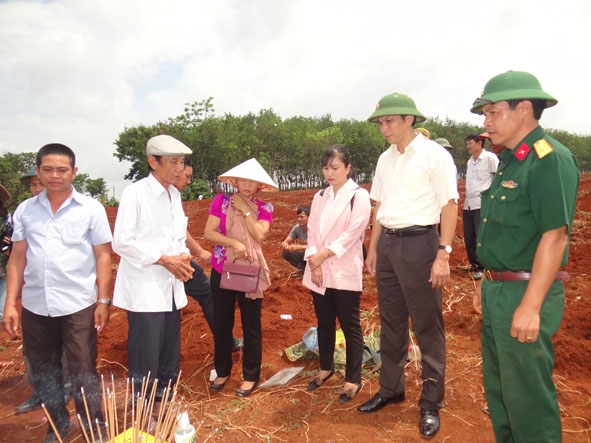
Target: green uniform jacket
534 191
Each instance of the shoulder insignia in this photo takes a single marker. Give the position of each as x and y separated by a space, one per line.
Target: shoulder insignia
543 148
521 152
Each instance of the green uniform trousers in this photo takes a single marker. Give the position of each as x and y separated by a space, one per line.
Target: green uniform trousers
518 381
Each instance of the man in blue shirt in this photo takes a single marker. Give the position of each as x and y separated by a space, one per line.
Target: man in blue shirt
61 258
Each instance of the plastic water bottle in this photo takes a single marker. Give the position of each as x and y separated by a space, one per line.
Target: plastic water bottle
185 431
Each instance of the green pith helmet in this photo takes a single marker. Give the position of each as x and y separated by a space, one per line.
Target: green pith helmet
26 177
443 142
396 104
511 85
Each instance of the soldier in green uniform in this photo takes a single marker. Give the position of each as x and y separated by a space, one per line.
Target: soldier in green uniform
527 216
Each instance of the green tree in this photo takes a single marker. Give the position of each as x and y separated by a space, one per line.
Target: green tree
97 188
80 182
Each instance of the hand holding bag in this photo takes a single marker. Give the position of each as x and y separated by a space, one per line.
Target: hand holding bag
243 278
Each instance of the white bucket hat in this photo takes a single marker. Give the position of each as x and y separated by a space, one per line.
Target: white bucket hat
249 170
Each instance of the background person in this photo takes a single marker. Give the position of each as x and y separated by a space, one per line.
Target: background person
480 170
150 236
527 216
237 225
334 273
5 231
296 242
68 235
414 187
33 182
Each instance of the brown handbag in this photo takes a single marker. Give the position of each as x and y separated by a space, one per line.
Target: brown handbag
243 278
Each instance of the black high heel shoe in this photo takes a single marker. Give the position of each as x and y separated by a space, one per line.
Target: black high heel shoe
317 382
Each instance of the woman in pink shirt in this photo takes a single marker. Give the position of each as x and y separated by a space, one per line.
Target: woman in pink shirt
336 228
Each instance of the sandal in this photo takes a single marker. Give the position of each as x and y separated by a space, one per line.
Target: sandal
317 382
348 394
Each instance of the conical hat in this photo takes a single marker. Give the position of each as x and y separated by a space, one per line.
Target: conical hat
4 194
249 170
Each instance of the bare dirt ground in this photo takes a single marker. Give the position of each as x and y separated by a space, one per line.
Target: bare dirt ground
291 414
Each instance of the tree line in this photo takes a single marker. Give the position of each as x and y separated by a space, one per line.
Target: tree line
289 149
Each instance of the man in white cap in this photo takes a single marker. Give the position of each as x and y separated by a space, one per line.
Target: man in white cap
150 234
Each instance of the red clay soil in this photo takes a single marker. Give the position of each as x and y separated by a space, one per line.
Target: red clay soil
290 413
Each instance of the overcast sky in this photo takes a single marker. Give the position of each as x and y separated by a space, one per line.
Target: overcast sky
80 71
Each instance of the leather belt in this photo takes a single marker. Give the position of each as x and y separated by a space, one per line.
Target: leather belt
518 276
406 232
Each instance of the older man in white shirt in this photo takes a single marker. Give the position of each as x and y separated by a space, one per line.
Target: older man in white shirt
480 170
150 234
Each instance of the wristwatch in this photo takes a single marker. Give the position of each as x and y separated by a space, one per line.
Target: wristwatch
446 248
104 301
247 214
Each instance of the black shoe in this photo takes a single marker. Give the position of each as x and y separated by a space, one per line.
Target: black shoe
213 387
429 423
347 396
378 402
246 392
238 344
31 403
317 382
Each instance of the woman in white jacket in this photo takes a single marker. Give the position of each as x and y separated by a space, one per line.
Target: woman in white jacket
336 228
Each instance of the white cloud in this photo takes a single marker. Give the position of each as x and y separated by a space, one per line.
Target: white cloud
80 71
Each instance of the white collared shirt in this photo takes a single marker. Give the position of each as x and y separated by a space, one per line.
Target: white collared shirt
149 224
479 175
413 187
60 273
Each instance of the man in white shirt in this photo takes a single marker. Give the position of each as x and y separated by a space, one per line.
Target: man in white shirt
480 171
61 258
150 234
414 185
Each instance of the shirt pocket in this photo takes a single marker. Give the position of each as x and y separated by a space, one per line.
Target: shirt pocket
505 206
74 233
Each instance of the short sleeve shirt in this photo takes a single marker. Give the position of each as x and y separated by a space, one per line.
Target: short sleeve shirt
413 187
60 273
298 233
530 194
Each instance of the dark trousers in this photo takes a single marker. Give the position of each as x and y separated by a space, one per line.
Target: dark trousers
154 347
294 258
43 339
402 276
471 220
343 305
224 303
199 289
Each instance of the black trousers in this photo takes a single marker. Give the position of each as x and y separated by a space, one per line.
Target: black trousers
471 220
294 258
154 347
224 305
402 276
199 289
343 305
43 339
